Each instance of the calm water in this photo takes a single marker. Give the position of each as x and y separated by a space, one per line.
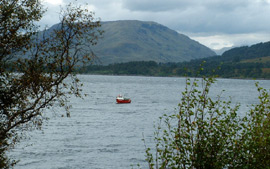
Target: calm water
104 135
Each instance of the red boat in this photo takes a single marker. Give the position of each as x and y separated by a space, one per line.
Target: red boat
121 99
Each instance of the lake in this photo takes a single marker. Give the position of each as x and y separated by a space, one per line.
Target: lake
101 134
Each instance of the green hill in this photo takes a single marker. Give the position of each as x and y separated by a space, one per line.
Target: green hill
131 40
248 52
241 62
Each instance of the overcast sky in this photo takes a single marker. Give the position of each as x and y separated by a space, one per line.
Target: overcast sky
214 23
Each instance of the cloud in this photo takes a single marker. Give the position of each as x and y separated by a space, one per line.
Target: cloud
228 16
230 40
53 2
156 6
169 5
220 20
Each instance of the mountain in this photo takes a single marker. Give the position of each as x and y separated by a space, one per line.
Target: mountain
241 62
241 54
131 40
248 52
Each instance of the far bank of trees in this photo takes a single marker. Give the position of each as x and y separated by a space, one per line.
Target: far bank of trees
151 68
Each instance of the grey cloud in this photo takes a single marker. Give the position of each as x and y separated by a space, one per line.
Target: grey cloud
230 16
212 17
156 5
166 5
243 19
225 6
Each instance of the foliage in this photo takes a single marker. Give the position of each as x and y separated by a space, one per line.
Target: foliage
17 19
208 133
257 134
42 60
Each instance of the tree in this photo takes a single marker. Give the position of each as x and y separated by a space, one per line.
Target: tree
43 61
208 133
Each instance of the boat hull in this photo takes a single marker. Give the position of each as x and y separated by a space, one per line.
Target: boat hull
123 101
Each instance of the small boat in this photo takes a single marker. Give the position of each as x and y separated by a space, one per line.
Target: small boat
121 99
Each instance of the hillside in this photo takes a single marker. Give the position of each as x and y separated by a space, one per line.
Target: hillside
248 52
241 62
130 40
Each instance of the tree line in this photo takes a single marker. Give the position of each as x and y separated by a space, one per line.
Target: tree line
211 67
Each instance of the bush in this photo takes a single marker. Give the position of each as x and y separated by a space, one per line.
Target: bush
208 133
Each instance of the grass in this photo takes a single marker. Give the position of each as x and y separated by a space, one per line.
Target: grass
257 60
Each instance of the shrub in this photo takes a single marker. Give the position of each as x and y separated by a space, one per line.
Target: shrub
208 133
